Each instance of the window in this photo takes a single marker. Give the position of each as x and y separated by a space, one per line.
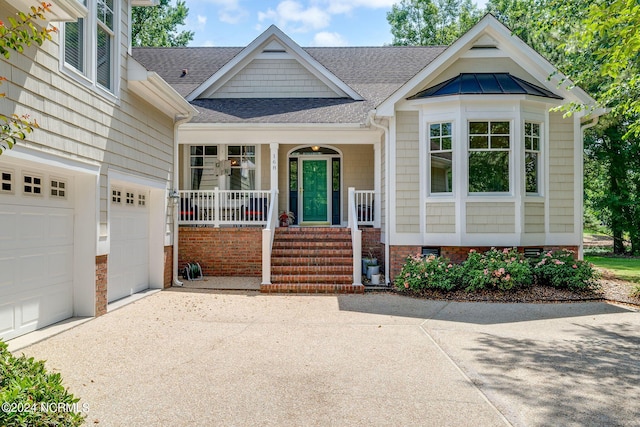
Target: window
489 153
104 45
116 196
6 182
203 163
93 37
441 157
142 200
58 189
32 185
532 156
243 167
130 198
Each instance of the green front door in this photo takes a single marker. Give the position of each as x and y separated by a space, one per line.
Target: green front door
315 207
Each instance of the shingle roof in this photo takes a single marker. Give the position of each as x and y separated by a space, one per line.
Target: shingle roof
374 72
484 84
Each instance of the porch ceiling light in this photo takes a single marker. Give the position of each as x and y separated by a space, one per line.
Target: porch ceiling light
315 148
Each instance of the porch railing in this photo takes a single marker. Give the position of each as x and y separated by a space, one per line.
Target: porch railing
356 237
365 207
224 207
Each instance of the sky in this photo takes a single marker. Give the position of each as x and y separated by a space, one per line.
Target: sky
307 22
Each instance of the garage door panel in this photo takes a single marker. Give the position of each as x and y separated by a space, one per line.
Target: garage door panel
7 318
36 261
129 254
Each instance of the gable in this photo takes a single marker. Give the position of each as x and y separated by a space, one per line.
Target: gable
273 66
488 47
276 77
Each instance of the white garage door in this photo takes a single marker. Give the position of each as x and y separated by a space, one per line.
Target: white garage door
36 251
128 269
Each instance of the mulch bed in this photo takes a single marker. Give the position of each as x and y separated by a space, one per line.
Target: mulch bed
612 290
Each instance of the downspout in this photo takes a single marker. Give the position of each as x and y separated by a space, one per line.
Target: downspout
583 127
387 250
179 119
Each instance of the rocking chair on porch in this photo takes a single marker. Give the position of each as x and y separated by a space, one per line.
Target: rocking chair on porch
256 210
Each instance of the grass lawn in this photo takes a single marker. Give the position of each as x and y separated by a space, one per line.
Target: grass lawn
624 268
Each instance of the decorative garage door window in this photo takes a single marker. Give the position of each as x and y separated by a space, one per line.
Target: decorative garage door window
58 189
6 181
32 184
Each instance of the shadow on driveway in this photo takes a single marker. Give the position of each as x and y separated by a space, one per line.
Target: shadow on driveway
479 313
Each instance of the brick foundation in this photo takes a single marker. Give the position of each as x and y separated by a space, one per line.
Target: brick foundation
222 251
457 254
101 284
168 266
371 245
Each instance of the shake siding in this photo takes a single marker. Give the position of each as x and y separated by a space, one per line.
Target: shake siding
441 218
274 78
407 172
561 175
76 121
533 217
490 217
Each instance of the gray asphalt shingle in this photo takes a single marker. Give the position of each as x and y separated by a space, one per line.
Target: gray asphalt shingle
373 72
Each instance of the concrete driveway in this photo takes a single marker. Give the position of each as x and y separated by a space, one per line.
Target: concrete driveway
186 357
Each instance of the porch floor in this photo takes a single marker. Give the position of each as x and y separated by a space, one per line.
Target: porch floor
225 283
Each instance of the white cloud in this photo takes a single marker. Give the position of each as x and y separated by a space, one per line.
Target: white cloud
208 43
229 11
336 7
293 16
325 38
202 20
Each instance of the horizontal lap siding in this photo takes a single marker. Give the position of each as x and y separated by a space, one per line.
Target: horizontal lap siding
533 217
407 173
274 78
490 217
441 218
561 175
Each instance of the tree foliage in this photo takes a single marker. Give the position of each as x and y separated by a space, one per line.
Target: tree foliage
157 25
431 22
21 31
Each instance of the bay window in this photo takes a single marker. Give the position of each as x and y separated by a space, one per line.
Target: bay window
532 157
441 157
489 156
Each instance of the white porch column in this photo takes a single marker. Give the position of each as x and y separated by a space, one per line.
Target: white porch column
274 146
377 184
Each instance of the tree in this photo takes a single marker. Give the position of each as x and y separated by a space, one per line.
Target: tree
427 22
157 25
22 31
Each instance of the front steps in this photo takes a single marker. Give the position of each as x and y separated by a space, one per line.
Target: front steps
312 260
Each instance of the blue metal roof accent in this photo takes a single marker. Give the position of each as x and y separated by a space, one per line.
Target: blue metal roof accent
485 84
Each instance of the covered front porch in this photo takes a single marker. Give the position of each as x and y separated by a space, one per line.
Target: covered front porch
236 192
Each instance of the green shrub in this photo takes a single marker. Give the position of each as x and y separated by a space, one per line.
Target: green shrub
430 272
32 397
560 269
495 269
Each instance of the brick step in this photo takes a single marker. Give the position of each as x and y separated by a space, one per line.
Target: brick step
311 230
335 279
291 270
312 288
320 235
300 260
311 253
305 244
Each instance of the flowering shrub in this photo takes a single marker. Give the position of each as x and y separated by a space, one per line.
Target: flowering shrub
503 270
429 272
561 270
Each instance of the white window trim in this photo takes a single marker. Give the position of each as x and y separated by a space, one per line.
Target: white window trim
512 149
89 78
427 132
